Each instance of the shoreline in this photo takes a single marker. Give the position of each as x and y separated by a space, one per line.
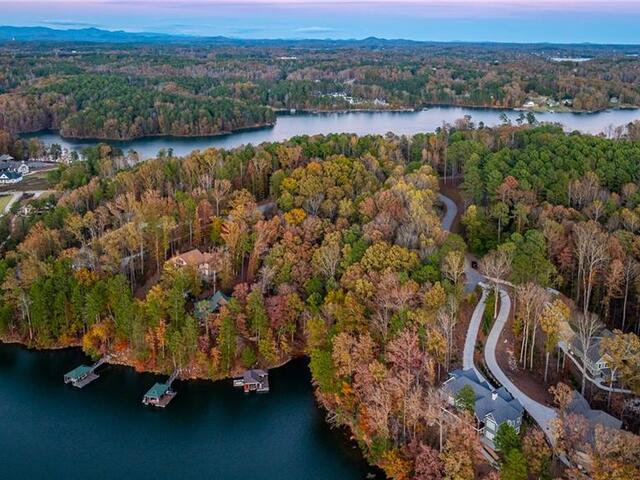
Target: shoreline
124 360
322 112
260 126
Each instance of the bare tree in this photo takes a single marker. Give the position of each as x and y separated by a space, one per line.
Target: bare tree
531 300
447 319
630 272
219 192
453 266
587 325
592 251
496 266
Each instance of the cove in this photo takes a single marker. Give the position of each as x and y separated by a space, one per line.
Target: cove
210 430
360 123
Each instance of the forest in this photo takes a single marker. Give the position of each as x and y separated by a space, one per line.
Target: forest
349 266
123 92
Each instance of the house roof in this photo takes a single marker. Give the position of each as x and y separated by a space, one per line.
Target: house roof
78 372
157 391
218 299
10 175
193 257
580 406
499 403
5 158
593 354
211 304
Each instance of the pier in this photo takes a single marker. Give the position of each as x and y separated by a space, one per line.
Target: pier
253 381
161 394
83 375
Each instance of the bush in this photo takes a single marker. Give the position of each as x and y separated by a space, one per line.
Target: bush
487 316
248 357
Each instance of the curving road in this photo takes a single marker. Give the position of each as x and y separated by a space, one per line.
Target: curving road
542 414
472 334
450 212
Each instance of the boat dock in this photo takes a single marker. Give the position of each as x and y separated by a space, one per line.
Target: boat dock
253 381
83 375
161 394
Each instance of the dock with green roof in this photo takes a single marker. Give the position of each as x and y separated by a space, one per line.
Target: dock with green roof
161 394
84 374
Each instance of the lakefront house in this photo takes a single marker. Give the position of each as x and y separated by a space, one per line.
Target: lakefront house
492 407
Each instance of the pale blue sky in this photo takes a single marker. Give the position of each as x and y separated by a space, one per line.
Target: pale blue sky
613 21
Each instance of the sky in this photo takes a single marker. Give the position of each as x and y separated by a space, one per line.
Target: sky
561 21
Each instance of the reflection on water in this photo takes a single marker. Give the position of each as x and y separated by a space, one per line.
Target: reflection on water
361 123
210 430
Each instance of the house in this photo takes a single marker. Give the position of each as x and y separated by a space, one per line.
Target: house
492 407
7 164
592 421
205 307
253 381
529 104
9 177
202 262
597 364
580 406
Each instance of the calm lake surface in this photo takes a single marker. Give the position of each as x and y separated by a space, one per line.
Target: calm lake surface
360 123
210 430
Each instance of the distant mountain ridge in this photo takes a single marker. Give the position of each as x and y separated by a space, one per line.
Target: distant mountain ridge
96 35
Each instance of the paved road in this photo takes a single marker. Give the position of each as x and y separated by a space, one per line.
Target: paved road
472 334
542 414
451 211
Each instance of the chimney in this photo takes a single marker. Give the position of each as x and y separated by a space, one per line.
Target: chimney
494 396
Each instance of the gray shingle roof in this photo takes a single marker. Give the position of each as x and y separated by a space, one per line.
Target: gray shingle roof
580 406
497 403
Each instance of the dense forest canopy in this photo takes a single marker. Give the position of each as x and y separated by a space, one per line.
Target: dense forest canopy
122 91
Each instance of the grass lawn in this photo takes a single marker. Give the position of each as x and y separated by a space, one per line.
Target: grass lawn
4 200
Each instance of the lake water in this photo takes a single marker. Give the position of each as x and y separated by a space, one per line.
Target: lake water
360 123
209 431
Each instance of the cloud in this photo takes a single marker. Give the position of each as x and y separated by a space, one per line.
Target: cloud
71 23
316 30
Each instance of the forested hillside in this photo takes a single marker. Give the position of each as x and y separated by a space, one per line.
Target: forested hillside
122 92
90 106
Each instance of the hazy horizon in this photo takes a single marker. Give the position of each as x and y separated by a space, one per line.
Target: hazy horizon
520 21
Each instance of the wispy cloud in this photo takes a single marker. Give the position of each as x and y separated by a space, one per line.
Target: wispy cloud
316 30
71 23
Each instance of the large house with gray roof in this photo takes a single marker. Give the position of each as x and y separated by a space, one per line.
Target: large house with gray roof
597 363
492 408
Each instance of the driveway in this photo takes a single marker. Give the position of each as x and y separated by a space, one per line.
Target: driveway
542 414
450 213
472 334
